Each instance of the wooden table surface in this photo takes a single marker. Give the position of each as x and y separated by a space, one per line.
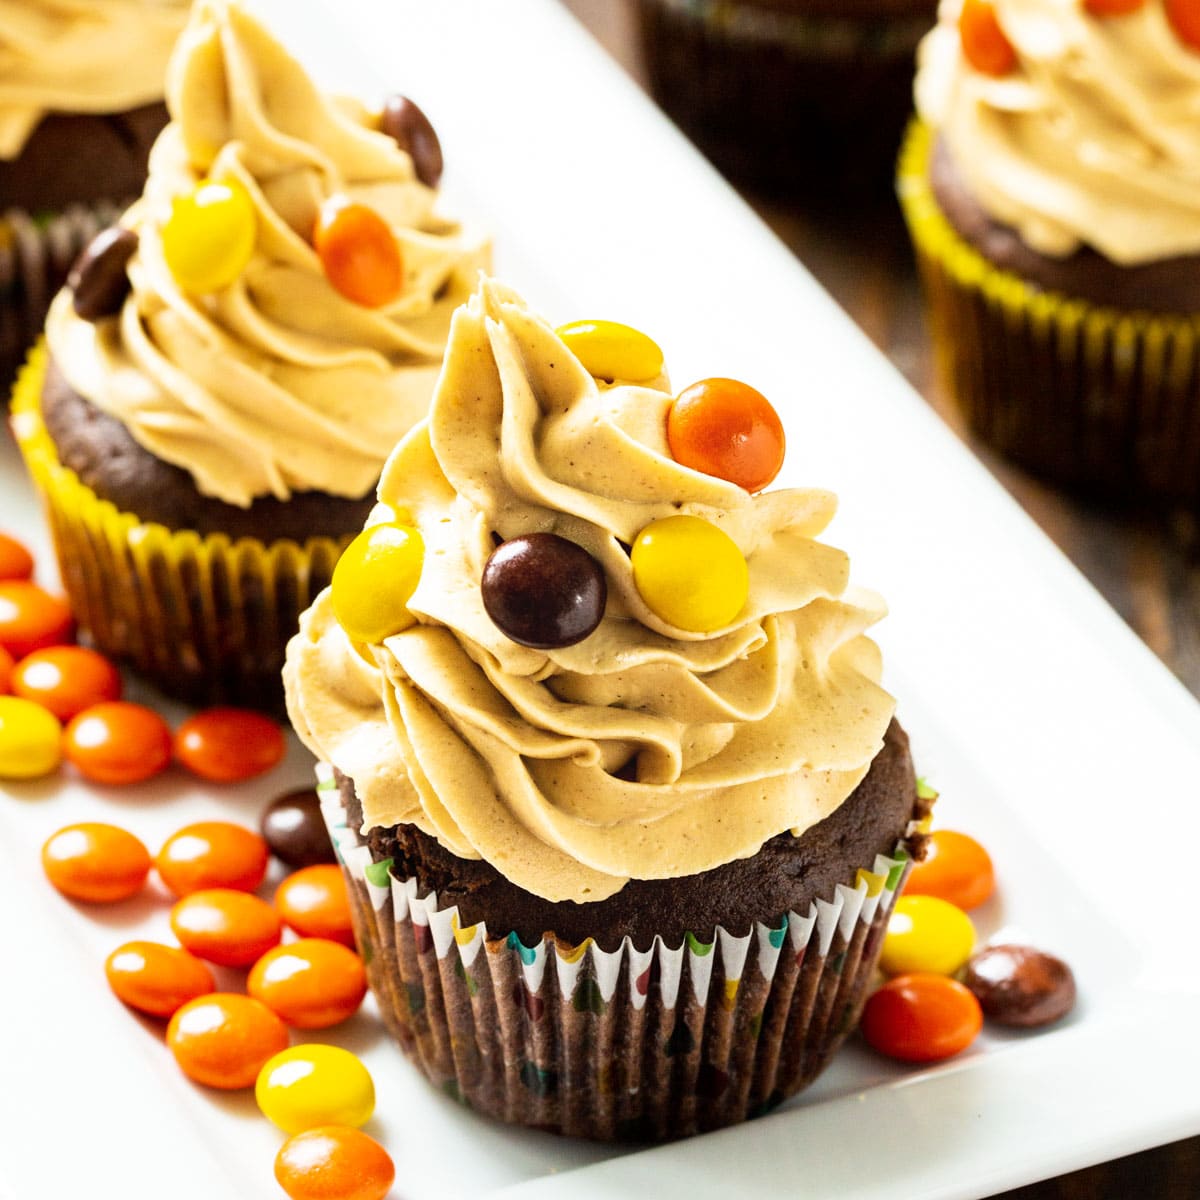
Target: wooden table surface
1147 567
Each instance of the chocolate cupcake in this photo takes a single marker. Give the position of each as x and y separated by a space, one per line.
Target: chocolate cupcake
620 802
212 414
81 87
805 95
1052 188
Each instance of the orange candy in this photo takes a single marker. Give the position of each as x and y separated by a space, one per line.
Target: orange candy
921 1018
6 669
314 902
1184 16
956 868
66 679
156 979
310 984
223 1040
212 854
31 618
96 863
727 429
118 742
984 43
231 929
359 253
15 561
226 745
334 1162
1112 8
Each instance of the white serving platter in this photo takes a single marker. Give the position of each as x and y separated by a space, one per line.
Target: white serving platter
1052 732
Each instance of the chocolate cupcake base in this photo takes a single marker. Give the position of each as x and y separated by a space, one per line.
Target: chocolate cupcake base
632 1044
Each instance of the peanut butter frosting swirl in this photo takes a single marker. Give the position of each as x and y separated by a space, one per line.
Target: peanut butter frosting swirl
275 383
80 56
1090 141
643 751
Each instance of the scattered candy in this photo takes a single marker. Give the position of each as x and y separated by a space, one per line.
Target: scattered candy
212 854
156 979
690 573
310 984
314 902
96 863
209 237
374 581
227 745
921 1018
609 350
6 670
984 43
98 281
334 1163
544 591
727 429
359 253
231 929
927 936
296 831
15 561
31 618
308 1086
118 742
956 868
30 739
403 121
1184 16
222 1040
1017 985
1112 8
66 679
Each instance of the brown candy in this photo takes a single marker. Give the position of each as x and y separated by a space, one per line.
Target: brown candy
413 133
1021 986
295 830
98 281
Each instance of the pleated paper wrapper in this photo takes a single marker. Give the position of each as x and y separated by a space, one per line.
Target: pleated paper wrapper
205 617
630 1045
1097 399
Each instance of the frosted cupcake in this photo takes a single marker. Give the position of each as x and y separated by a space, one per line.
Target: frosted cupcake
621 803
1052 188
220 393
81 88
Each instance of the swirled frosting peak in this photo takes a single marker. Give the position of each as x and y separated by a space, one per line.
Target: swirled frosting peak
80 56
1091 140
275 383
641 751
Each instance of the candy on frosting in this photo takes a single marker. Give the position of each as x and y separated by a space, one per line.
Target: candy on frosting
510 753
275 383
1090 141
81 56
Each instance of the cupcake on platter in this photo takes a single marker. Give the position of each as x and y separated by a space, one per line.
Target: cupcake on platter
81 88
807 95
1052 188
621 804
228 367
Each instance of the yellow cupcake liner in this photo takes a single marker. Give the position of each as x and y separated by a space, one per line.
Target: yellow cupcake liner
1100 399
205 617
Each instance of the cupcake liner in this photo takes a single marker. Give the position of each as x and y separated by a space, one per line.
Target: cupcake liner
1098 399
36 254
630 1045
786 98
205 617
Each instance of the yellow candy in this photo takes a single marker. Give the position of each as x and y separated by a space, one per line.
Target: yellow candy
690 574
609 350
209 237
927 935
375 579
30 739
308 1086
